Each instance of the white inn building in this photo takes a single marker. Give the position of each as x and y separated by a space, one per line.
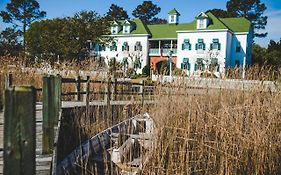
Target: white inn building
207 43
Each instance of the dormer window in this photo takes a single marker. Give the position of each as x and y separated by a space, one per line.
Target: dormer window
174 16
125 46
138 46
126 29
127 26
215 45
115 28
202 21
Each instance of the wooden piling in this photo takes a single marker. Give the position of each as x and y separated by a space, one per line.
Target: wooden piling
51 110
78 88
19 131
8 80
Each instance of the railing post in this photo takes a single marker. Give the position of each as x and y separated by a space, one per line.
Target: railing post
115 89
19 131
86 89
51 109
108 105
78 88
8 80
142 93
87 96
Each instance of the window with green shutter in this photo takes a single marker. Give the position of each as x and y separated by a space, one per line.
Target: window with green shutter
186 45
200 64
216 44
138 46
113 47
200 45
125 46
185 64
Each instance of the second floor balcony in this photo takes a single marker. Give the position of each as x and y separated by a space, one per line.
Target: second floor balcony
163 52
162 47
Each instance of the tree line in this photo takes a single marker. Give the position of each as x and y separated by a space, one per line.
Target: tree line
68 38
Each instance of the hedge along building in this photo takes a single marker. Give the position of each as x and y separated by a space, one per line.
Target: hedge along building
207 43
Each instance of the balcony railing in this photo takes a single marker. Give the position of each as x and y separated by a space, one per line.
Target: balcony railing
154 51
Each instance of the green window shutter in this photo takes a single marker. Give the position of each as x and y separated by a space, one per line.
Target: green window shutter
196 46
182 47
188 66
189 46
215 40
182 65
211 46
204 46
219 46
195 67
123 48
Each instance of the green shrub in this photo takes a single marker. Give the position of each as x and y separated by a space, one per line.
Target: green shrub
146 70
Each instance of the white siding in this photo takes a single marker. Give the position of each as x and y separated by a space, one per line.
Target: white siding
208 39
238 56
131 40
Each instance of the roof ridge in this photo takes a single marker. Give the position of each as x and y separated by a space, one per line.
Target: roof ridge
219 20
145 26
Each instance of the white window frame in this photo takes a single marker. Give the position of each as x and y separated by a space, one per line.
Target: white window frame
201 23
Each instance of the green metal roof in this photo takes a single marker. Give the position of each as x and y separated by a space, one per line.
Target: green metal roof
237 24
138 27
162 31
170 30
174 12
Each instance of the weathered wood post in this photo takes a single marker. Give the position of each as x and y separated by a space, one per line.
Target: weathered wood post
78 88
142 93
86 89
51 109
87 96
109 109
8 80
115 89
19 131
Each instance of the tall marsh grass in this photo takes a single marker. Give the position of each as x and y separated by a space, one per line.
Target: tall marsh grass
229 132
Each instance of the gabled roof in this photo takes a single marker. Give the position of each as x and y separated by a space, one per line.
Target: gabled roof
128 22
174 12
116 23
202 15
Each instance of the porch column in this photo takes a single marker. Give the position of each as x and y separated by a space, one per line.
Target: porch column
159 46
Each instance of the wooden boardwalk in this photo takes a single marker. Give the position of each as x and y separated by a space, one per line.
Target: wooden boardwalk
43 162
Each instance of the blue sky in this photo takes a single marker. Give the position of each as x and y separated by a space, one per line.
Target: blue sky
188 9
